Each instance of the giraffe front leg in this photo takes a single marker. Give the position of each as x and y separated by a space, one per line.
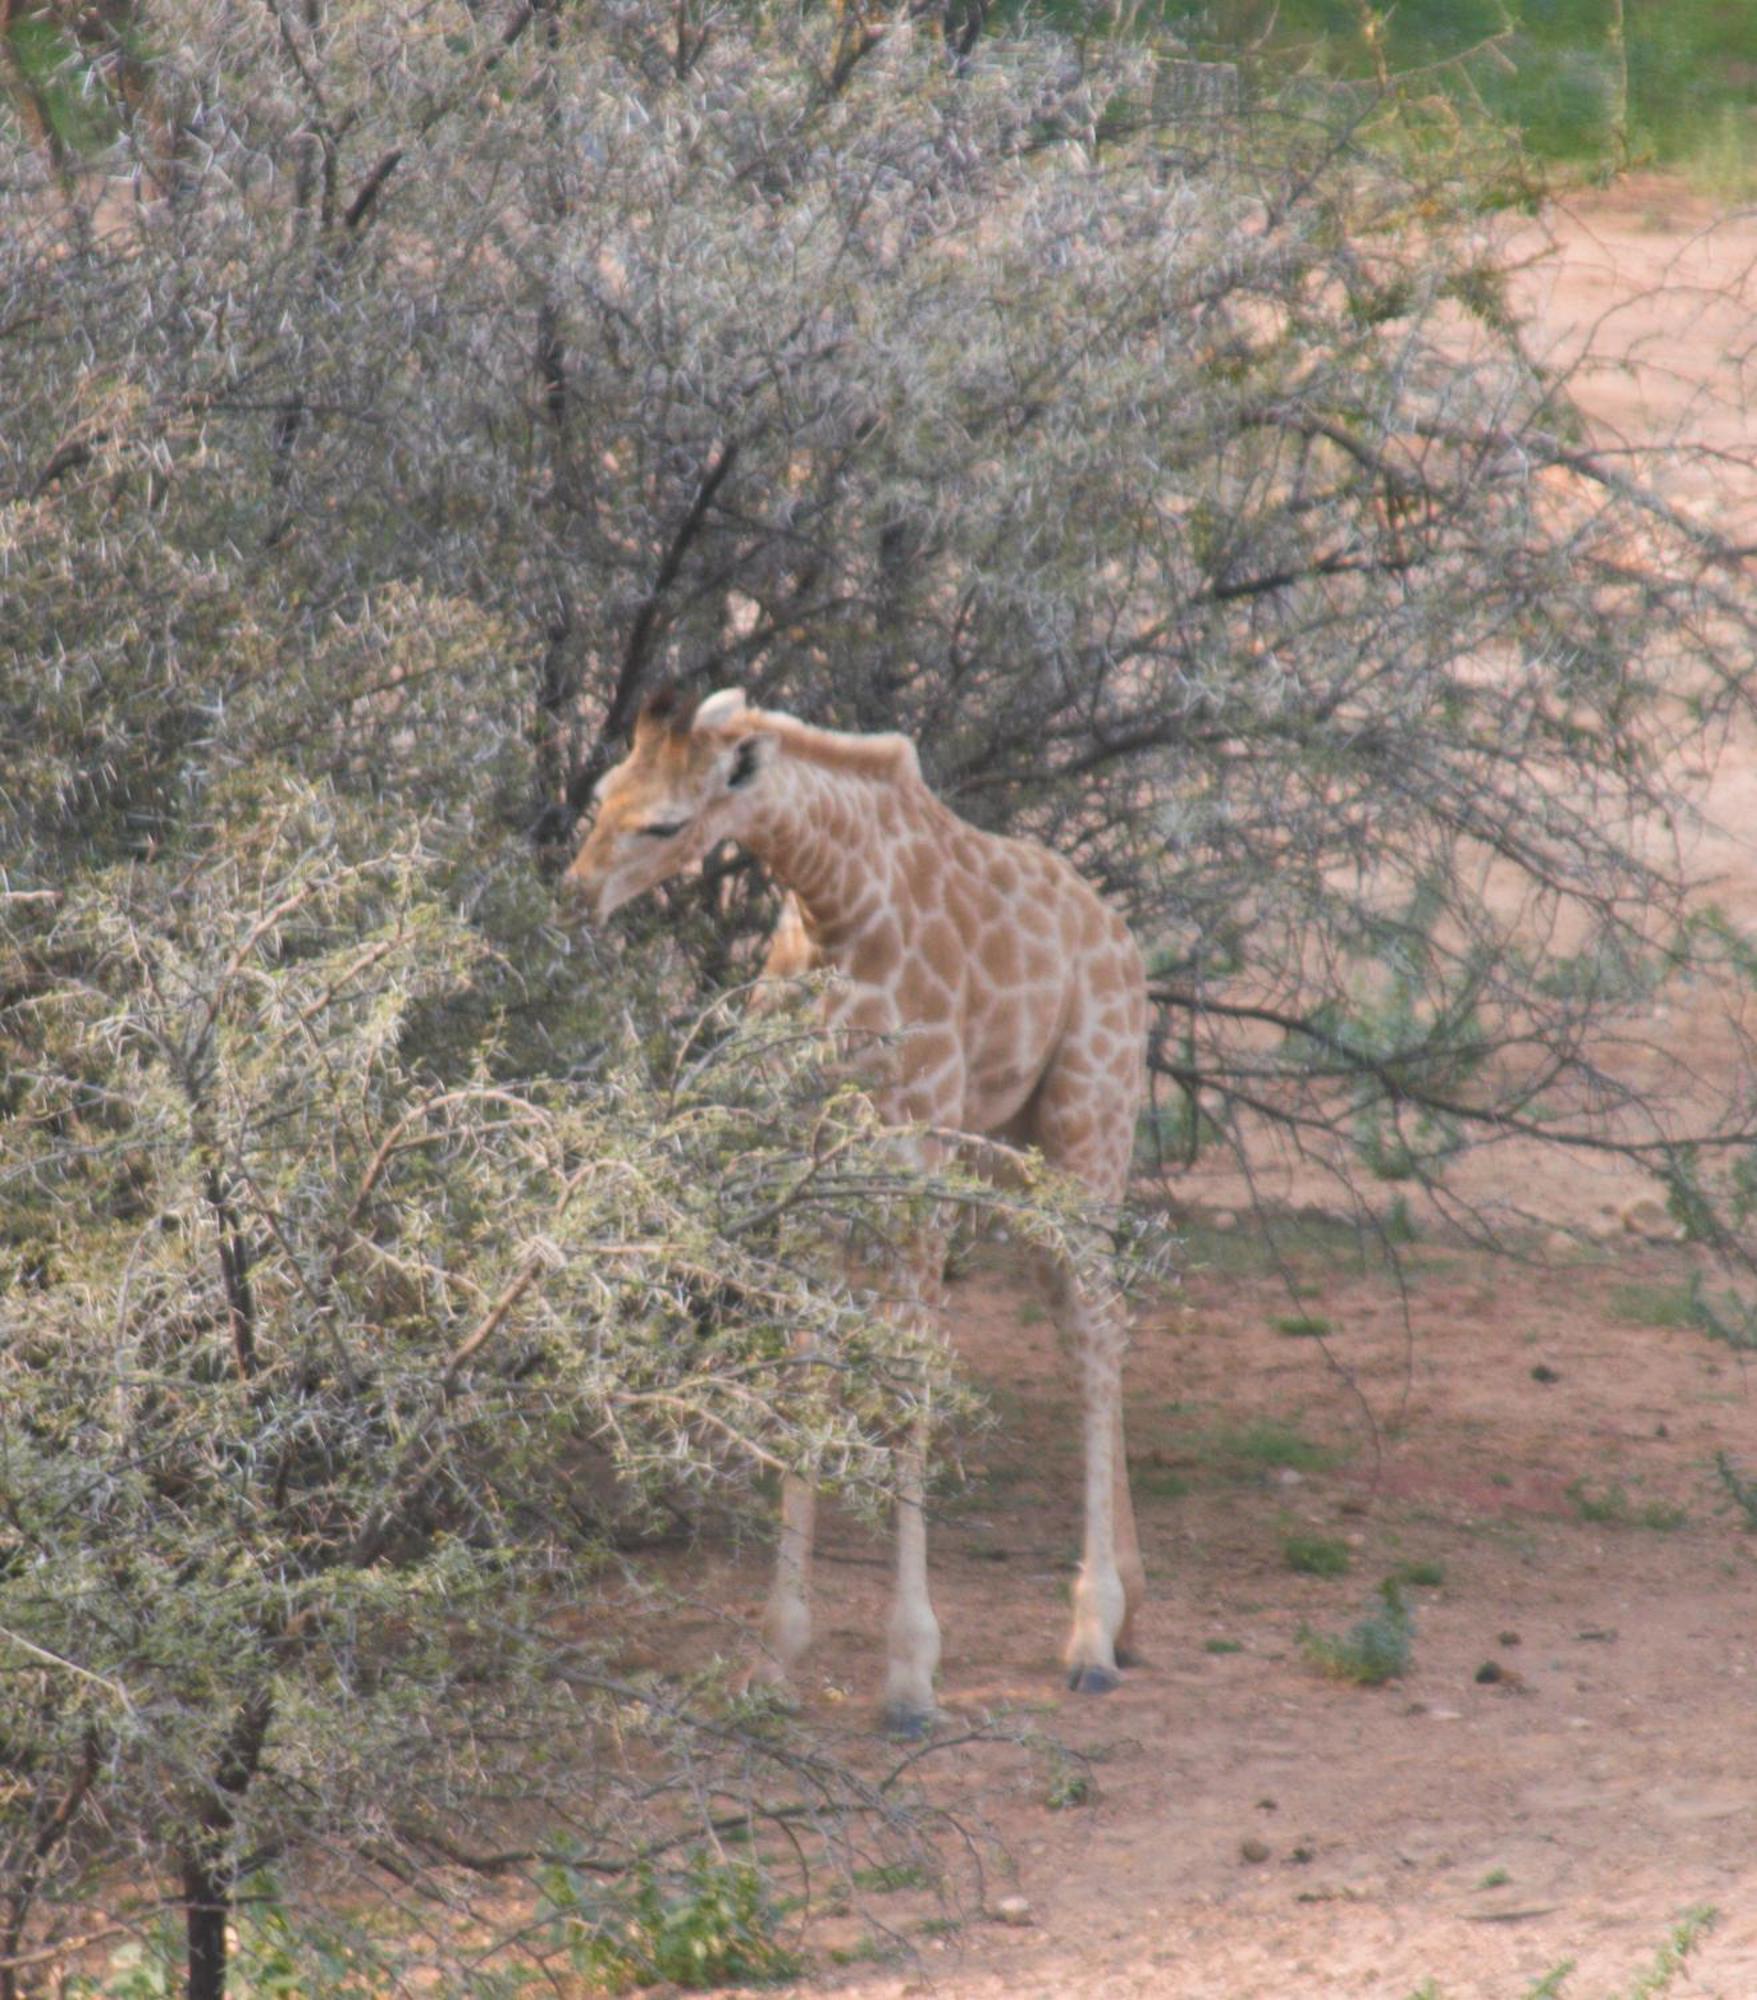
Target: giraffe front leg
913 1635
1128 1548
786 1626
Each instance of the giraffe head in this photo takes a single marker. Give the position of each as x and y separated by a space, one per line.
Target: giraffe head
689 781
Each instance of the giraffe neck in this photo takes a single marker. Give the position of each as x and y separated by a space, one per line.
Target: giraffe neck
824 833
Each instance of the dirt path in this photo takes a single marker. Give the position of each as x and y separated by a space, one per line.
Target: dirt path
1569 1765
1541 1464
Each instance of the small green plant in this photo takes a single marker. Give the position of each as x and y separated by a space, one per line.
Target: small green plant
1496 1878
1549 1987
1316 1555
1650 1304
1686 1934
1159 1482
714 1925
1222 1645
1399 1225
1303 1326
1069 1788
1730 1319
852 1954
272 1958
1376 1649
1612 1507
888 1877
1420 1575
1740 1490
1266 1444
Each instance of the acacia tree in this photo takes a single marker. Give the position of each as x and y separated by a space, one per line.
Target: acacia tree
310 1350
390 394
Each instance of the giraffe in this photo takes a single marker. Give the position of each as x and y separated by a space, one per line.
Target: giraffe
995 995
790 956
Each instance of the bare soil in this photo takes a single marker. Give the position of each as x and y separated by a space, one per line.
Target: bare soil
1569 1763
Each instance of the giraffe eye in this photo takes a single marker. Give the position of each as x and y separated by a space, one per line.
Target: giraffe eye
662 829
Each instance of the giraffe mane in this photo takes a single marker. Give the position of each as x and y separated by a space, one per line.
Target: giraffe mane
889 757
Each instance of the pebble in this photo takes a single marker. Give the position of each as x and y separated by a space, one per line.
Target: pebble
1649 1217
1013 1910
1253 1849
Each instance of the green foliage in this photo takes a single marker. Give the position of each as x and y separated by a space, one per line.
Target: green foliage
1069 1788
1742 1492
276 1956
1578 80
1659 1978
1303 1326
1316 1555
1687 1198
1656 1303
888 1877
1376 1649
713 1923
305 1340
1671 1958
1612 1506
1731 1318
1266 1443
1548 1986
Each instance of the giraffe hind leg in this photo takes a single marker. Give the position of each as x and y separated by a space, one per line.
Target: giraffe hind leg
1085 1124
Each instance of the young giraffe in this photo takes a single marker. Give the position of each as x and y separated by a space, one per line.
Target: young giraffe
1008 1001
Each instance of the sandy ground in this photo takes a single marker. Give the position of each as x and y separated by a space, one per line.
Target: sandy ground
1569 1765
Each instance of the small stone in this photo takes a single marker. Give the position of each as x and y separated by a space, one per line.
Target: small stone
1489 1672
1013 1910
1287 1475
1650 1219
1222 1220
1545 1374
1508 1638
1253 1849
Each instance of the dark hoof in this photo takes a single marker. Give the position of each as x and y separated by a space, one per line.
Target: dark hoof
907 1723
1126 1656
1094 1680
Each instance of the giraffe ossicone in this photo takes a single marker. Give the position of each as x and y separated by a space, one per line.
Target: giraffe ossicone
1012 1003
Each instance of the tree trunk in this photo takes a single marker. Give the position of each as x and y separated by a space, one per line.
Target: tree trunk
207 1875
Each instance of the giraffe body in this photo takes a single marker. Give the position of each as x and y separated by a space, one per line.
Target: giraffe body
995 994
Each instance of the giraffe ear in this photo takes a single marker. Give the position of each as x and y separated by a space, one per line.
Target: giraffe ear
719 708
750 759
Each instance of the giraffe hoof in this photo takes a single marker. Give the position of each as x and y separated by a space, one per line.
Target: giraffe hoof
1094 1680
906 1722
